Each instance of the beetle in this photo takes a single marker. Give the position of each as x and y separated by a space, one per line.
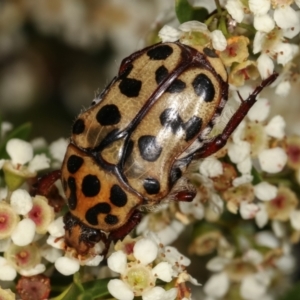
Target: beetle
132 146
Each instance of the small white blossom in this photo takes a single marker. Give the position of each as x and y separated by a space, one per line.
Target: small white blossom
217 285
38 269
120 290
286 17
253 287
24 232
21 201
265 66
261 218
160 293
219 41
259 7
259 111
58 149
7 272
265 191
169 34
56 227
145 250
117 261
211 167
272 160
267 239
264 23
295 219
39 162
20 152
67 266
276 127
248 210
235 9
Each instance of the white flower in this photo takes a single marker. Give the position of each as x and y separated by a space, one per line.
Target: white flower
161 294
7 272
286 17
265 66
238 152
39 162
261 218
235 9
145 251
275 127
20 152
259 7
248 210
254 286
295 219
120 290
264 23
272 160
58 149
163 271
169 34
267 239
219 41
260 110
117 261
21 201
211 167
24 232
56 227
265 191
67 266
217 285
38 269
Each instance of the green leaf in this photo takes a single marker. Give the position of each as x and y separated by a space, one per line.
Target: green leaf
293 293
92 290
22 132
185 12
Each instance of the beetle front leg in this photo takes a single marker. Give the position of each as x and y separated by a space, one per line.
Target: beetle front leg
220 140
121 232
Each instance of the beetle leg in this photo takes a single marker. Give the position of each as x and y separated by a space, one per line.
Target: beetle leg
220 140
45 187
45 183
121 232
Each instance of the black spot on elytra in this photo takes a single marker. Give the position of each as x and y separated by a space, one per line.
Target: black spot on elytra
192 127
72 200
130 87
151 185
78 127
204 88
210 52
170 118
74 163
160 52
149 149
111 219
175 175
108 115
90 186
117 196
176 86
92 214
161 74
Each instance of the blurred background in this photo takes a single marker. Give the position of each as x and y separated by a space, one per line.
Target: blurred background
56 54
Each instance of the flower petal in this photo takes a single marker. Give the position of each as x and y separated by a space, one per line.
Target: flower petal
217 285
20 152
66 266
272 160
119 290
117 261
145 250
24 232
